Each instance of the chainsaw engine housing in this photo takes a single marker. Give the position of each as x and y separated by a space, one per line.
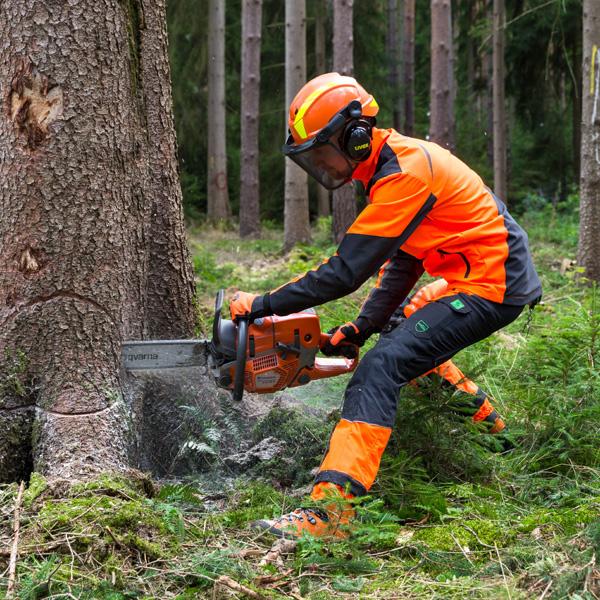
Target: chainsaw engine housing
277 352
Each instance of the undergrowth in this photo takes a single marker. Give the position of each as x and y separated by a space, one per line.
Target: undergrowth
450 516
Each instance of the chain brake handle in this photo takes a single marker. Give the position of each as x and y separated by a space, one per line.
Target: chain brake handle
240 358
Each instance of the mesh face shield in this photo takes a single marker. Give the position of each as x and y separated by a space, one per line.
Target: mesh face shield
321 156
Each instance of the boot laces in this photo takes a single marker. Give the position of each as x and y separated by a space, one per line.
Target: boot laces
309 513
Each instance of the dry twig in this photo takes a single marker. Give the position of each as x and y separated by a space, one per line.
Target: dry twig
238 587
12 563
279 547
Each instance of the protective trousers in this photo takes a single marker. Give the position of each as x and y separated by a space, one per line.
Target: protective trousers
427 339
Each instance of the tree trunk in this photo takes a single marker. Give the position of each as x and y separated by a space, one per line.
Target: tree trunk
344 202
296 222
576 88
392 44
470 48
499 102
441 120
588 254
487 68
91 231
217 190
409 67
323 202
250 108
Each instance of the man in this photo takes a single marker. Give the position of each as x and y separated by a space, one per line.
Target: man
427 212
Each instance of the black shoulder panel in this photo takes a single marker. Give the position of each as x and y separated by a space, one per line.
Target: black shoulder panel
387 164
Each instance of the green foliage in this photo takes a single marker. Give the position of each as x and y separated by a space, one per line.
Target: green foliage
253 501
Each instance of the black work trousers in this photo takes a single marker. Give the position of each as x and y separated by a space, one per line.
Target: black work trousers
430 337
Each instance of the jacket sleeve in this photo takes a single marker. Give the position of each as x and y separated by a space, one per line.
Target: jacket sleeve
396 279
399 203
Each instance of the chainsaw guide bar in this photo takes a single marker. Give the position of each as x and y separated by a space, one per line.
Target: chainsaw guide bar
164 354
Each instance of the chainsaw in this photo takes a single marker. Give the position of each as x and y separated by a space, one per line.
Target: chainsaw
265 356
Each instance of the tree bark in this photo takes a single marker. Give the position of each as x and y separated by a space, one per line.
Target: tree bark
588 254
92 243
323 201
250 108
409 67
218 208
441 121
344 202
296 222
500 183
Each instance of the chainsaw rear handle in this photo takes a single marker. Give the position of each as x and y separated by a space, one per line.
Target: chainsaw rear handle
326 337
330 367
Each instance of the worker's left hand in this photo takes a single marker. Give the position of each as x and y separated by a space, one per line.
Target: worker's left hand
243 304
345 338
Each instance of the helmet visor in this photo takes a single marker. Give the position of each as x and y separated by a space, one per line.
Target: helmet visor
322 160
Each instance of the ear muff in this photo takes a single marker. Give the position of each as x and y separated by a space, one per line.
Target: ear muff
356 139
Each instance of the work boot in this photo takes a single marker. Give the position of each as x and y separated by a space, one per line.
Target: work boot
327 521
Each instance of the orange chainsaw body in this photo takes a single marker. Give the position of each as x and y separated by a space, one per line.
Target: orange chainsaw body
282 352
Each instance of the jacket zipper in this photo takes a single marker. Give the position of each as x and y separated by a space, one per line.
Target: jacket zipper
467 264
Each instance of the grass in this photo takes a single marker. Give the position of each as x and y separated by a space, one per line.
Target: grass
449 517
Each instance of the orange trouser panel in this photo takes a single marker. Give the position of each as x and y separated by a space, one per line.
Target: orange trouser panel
355 450
485 410
452 374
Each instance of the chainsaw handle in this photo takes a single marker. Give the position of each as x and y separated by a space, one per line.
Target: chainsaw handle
330 367
326 337
240 358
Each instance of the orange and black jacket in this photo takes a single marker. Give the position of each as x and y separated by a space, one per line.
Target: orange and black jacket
427 211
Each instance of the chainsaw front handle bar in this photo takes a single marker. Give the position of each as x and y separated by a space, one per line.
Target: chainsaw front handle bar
240 358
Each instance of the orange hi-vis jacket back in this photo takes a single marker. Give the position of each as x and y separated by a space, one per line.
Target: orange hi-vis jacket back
427 211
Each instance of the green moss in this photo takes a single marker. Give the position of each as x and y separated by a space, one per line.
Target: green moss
256 501
117 485
476 534
566 521
37 486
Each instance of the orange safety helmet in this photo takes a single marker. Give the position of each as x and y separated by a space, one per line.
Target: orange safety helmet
329 133
321 99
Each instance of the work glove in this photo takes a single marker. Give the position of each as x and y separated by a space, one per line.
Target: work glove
347 338
250 306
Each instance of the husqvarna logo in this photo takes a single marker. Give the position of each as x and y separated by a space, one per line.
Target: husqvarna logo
134 357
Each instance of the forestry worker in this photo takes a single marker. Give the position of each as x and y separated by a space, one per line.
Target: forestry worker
427 212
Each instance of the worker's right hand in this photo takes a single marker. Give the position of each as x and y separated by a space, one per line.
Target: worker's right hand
347 338
249 306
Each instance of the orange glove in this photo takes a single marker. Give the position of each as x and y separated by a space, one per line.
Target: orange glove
345 338
248 305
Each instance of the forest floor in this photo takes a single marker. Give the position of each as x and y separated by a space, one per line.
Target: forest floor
450 516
